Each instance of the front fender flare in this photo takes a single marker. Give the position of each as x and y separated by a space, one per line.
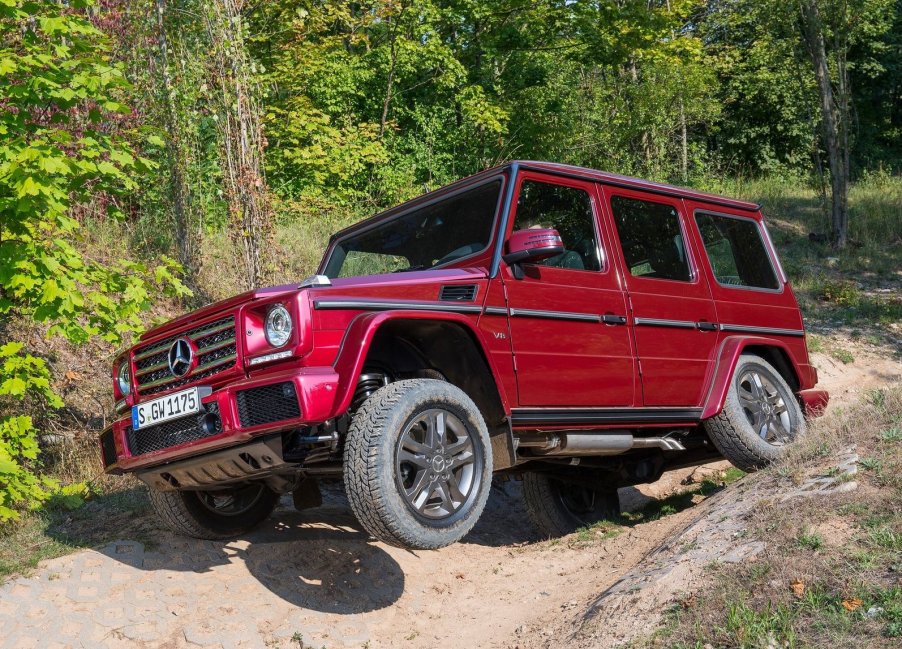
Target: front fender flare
359 337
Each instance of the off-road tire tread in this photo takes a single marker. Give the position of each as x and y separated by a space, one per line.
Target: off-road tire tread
172 508
544 508
362 455
729 431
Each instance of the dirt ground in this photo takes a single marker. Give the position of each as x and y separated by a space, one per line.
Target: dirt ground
314 579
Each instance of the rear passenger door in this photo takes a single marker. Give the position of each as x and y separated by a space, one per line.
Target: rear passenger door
672 310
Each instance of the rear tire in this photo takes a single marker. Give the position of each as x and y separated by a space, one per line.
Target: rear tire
558 508
418 464
760 417
215 515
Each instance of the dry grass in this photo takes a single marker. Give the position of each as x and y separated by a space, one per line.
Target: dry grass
831 573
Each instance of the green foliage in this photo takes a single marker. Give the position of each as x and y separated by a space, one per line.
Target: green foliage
21 377
59 161
811 540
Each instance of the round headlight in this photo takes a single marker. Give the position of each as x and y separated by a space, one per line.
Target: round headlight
123 380
278 326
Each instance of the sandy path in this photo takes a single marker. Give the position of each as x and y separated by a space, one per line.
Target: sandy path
316 578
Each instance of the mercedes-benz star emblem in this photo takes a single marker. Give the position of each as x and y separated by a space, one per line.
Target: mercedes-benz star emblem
180 356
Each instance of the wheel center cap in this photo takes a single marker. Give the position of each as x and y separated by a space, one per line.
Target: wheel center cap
438 464
767 408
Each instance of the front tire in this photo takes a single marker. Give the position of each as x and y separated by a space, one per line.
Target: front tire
215 515
417 464
558 508
760 418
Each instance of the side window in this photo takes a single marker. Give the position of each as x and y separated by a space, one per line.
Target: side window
651 238
736 251
569 211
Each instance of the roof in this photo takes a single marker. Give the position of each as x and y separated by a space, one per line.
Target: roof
635 183
571 171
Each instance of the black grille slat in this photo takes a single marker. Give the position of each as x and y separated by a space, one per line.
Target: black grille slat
196 376
458 293
108 448
267 404
217 340
169 433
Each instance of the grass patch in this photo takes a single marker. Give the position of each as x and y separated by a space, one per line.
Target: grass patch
811 541
54 533
830 571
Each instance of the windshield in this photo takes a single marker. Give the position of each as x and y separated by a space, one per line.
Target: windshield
449 229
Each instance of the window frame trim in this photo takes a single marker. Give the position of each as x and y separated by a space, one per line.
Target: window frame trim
579 184
694 270
762 236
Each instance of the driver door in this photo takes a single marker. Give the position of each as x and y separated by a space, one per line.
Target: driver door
568 314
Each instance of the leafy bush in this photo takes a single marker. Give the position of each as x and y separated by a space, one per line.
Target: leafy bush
841 292
21 376
59 93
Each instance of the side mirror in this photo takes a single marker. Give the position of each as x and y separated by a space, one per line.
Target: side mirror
532 245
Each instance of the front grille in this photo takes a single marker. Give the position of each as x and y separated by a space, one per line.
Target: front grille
171 433
267 404
108 448
216 351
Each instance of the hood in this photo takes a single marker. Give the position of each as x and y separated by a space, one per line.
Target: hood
218 307
406 279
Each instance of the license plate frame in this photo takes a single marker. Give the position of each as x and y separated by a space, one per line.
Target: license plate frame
183 403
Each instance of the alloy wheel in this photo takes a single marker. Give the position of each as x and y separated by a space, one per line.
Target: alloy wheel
436 464
764 407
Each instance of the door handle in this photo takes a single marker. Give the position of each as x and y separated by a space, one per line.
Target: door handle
611 319
704 325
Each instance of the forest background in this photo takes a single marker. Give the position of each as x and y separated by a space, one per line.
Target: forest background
158 155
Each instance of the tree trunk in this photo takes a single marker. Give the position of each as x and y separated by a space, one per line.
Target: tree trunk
836 143
646 135
178 185
241 132
684 167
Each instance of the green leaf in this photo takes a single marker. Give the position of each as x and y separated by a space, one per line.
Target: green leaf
14 386
11 348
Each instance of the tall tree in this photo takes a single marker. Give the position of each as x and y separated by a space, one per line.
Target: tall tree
843 24
241 130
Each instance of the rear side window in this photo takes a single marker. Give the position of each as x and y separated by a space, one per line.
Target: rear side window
651 238
736 251
569 211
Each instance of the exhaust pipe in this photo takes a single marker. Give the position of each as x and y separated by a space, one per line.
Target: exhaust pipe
597 444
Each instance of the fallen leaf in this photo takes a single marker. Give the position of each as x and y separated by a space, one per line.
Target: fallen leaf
798 587
851 604
688 602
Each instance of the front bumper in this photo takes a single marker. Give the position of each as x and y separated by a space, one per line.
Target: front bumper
233 414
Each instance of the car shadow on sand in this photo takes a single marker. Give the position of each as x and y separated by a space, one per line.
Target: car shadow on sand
319 559
320 562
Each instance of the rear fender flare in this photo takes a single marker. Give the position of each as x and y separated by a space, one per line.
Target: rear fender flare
727 357
359 337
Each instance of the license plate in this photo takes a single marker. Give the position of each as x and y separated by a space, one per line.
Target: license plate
172 406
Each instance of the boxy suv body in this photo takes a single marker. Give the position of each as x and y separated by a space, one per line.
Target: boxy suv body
581 330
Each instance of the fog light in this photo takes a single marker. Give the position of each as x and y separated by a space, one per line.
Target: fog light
210 423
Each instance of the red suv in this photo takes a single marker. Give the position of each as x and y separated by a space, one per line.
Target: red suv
581 330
